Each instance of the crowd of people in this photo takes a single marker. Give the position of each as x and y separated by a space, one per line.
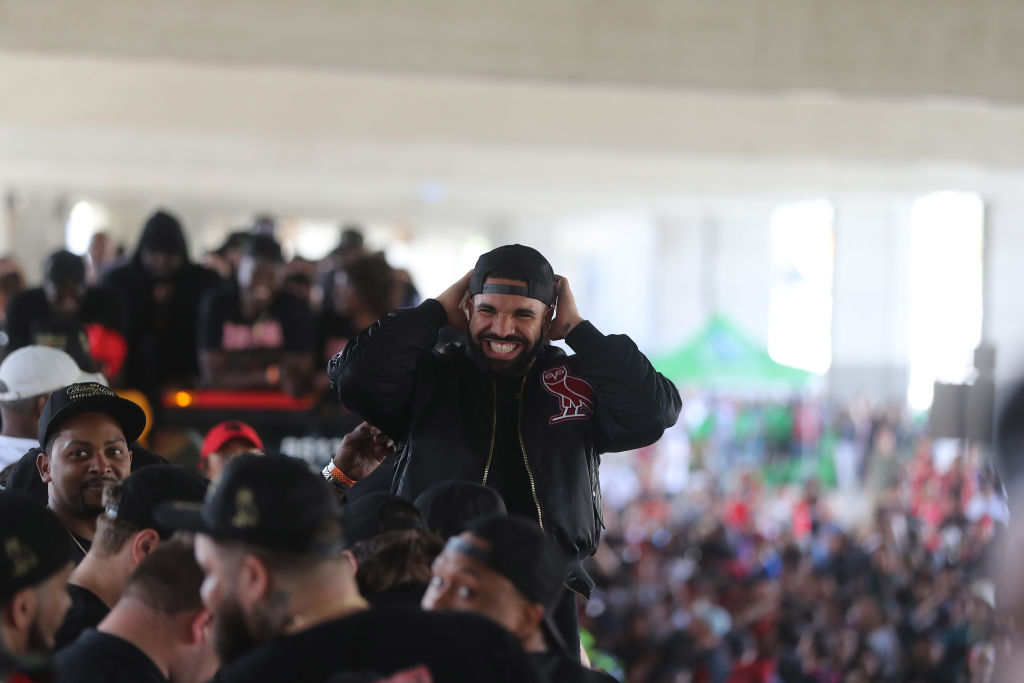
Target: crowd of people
734 580
460 532
244 319
445 541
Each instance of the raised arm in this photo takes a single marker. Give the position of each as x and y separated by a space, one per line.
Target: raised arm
375 374
635 402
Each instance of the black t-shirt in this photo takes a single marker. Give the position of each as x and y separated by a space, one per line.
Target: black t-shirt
508 474
97 656
31 320
287 327
81 546
86 611
453 646
404 595
162 321
559 668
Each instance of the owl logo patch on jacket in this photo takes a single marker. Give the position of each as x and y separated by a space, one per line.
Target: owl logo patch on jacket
575 396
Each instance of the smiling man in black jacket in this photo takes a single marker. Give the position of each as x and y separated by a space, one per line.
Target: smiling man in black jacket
507 408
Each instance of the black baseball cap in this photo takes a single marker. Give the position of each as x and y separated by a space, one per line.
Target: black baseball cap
514 262
376 513
90 397
521 553
272 502
448 506
34 545
143 491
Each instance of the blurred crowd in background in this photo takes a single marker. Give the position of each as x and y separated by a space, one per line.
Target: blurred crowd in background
759 541
243 317
755 574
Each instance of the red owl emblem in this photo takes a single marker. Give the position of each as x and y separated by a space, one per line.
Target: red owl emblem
575 396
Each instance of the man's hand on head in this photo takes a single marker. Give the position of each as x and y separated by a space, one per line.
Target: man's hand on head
567 316
454 299
362 450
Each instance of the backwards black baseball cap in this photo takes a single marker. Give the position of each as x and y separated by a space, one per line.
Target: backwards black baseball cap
521 553
146 489
34 545
514 262
273 502
90 397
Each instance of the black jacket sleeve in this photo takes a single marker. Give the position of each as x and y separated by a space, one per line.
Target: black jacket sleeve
375 374
635 402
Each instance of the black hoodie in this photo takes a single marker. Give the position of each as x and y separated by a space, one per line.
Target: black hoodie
161 336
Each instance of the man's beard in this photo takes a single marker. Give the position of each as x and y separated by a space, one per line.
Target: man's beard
514 367
86 510
236 633
232 637
39 641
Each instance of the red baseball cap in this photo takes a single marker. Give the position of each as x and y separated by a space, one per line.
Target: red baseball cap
221 433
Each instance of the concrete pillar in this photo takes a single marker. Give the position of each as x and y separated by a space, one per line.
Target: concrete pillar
871 299
1004 325
35 227
743 264
683 296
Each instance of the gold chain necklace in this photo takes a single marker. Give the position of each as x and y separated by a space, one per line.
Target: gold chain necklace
74 539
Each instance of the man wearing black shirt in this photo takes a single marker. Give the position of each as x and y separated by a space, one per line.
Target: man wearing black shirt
284 599
84 432
161 290
126 532
157 632
87 323
255 335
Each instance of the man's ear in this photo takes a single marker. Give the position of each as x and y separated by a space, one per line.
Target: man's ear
350 556
43 465
40 404
528 623
21 611
143 543
549 315
254 580
197 625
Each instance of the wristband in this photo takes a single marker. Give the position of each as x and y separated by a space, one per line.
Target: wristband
334 475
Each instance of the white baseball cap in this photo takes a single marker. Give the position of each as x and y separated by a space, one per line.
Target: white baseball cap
35 370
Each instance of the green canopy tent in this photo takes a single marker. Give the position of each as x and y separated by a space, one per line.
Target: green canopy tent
723 357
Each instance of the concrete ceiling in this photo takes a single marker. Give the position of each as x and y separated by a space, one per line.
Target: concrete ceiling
323 105
907 48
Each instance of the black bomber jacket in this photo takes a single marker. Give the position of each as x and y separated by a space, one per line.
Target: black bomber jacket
440 409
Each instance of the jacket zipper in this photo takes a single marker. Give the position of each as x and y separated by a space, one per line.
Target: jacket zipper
522 447
494 428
